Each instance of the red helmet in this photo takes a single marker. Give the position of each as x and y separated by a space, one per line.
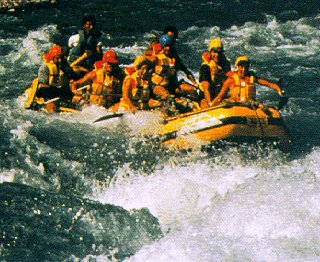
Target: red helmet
55 50
110 56
98 64
156 47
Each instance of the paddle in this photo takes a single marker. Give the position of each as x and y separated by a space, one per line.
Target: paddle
51 100
58 98
114 115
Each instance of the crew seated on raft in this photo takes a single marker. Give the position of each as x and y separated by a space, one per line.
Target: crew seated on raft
104 83
212 73
151 83
241 83
136 89
52 82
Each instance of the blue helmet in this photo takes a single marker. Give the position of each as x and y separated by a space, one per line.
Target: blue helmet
165 40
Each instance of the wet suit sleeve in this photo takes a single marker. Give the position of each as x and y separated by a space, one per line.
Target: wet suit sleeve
204 74
225 64
43 74
180 65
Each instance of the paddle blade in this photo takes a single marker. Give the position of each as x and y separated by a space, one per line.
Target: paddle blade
106 117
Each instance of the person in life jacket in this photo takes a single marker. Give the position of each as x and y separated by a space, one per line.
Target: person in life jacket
213 71
156 48
85 46
53 80
81 95
165 78
168 30
172 31
104 83
241 83
136 89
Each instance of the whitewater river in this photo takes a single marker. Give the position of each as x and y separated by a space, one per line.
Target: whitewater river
72 190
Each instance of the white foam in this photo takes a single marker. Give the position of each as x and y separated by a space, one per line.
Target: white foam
34 45
7 176
214 212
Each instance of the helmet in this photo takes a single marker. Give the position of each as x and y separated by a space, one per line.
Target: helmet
55 50
98 64
156 48
173 30
165 40
206 57
110 56
215 44
241 60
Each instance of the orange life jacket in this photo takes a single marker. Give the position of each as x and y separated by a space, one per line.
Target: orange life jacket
164 69
165 65
242 89
140 91
105 89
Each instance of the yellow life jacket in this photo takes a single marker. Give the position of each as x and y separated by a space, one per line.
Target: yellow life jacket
242 89
54 73
164 69
56 78
103 84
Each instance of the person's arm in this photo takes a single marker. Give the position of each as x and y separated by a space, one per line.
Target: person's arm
269 84
225 64
181 66
205 79
86 80
74 49
192 79
73 40
224 90
126 88
99 45
206 91
43 75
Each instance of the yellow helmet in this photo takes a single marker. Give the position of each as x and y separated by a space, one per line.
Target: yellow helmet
215 44
242 59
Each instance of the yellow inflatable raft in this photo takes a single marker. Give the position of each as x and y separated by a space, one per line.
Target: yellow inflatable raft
228 121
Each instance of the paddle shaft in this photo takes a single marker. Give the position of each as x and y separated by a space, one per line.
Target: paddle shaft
58 98
108 117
